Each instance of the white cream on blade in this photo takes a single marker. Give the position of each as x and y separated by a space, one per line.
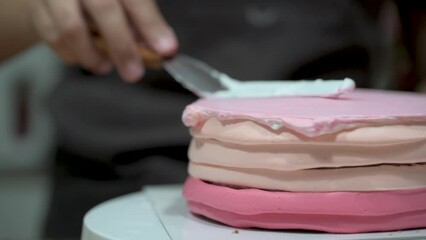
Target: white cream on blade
261 89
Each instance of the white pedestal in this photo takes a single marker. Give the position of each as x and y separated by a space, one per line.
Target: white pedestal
160 213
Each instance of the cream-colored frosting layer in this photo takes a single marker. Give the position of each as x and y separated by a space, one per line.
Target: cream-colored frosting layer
290 158
371 178
248 154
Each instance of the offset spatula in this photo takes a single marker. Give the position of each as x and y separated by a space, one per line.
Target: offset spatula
205 81
193 74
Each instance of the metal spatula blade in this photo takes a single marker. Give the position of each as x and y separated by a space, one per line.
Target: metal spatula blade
194 74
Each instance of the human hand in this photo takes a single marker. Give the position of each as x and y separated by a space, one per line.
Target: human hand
125 25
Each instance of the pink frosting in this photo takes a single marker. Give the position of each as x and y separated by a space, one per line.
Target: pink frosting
360 108
339 212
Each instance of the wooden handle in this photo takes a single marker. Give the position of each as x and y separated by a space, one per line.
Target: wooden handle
151 59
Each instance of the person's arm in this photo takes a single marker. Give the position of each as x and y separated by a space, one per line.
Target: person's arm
66 26
16 32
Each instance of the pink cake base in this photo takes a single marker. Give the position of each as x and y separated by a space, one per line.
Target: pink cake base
336 212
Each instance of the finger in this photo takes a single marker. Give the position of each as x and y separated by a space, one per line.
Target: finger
74 33
148 20
113 25
47 30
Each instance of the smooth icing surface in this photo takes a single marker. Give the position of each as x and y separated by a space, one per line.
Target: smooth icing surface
315 116
339 212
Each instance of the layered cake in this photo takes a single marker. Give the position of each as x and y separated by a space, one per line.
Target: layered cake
352 164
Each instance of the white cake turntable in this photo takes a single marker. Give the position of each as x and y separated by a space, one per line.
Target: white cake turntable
160 213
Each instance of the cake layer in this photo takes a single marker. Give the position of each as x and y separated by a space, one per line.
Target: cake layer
339 212
368 178
315 116
287 157
250 145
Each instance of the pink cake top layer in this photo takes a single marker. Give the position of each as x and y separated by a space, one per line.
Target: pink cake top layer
315 116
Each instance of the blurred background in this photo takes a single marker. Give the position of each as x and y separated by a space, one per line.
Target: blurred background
27 132
26 142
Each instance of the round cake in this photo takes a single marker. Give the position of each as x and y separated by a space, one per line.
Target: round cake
352 164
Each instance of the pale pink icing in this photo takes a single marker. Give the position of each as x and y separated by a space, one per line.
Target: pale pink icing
339 212
315 116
